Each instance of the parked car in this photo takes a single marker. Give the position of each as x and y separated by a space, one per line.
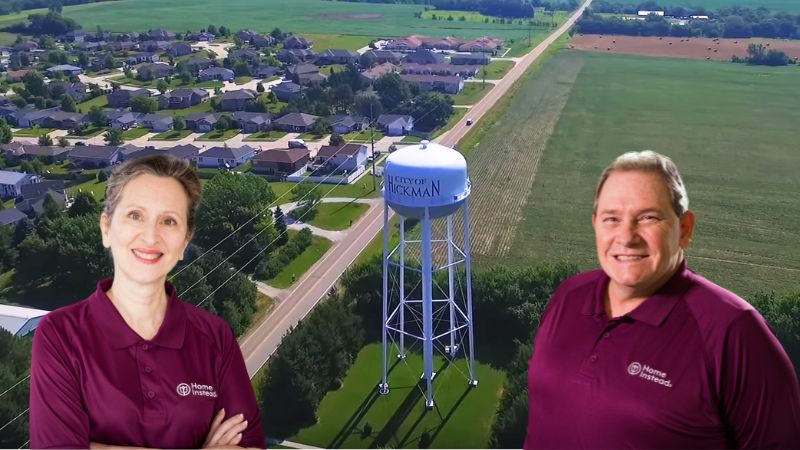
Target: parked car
297 143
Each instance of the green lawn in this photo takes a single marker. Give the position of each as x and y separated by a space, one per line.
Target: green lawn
295 269
472 93
323 42
173 84
217 135
200 107
171 135
360 189
7 39
243 80
363 136
307 17
410 140
462 417
32 132
101 101
337 216
97 188
732 130
134 133
496 70
311 137
88 132
272 135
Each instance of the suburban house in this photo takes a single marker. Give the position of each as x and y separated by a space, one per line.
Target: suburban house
261 41
472 59
345 123
122 46
18 151
297 42
185 151
295 122
253 122
121 98
246 34
123 119
201 37
11 216
50 118
228 157
16 75
246 55
288 91
370 75
11 183
91 46
295 55
440 69
281 162
179 49
34 195
424 56
382 56
153 46
197 63
301 69
237 100
158 123
66 69
73 36
337 56
404 44
341 158
147 57
395 124
95 155
483 44
446 84
20 321
159 34
76 90
182 98
153 71
202 122
265 71
216 73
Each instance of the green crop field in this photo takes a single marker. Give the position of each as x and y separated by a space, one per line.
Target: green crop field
791 6
732 130
299 16
462 417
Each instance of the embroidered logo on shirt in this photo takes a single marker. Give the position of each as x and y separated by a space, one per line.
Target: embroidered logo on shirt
648 373
200 390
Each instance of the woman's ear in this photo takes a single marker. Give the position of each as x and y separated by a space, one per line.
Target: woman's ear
105 223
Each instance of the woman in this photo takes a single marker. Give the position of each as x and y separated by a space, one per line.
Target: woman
132 365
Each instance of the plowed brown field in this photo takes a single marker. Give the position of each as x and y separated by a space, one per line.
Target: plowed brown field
674 47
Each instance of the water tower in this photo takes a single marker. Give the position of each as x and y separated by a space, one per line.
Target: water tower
427 182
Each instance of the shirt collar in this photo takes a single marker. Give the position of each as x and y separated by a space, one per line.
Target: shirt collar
656 308
120 335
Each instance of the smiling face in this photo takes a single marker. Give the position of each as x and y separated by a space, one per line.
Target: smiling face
147 233
639 237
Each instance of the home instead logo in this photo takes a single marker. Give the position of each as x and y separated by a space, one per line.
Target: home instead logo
200 390
413 187
648 373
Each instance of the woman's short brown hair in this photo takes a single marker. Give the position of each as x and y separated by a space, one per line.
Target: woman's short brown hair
161 166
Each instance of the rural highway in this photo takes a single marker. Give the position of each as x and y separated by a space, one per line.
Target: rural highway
259 344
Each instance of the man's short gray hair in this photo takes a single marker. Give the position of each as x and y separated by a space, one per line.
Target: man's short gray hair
649 161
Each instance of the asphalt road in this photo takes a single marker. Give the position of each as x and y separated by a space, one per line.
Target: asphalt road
258 345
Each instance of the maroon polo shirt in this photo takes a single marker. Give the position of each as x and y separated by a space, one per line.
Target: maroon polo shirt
693 366
93 379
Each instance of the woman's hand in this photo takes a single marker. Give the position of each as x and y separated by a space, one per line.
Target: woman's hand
227 433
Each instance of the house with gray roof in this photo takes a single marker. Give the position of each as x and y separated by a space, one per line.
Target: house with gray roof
237 100
424 56
121 98
17 151
337 56
146 57
123 119
295 122
216 73
182 98
226 157
11 216
95 155
197 63
179 49
345 123
471 59
34 195
446 84
295 55
381 56
297 42
202 122
246 55
287 91
153 45
11 183
157 123
153 71
66 69
253 122
395 124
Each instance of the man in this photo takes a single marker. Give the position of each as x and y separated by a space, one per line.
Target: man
647 354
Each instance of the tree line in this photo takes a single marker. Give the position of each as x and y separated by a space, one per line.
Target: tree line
735 22
15 6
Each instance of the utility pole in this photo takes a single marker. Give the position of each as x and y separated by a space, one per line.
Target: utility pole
372 141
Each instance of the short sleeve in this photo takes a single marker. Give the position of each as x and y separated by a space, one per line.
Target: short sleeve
759 388
236 392
57 415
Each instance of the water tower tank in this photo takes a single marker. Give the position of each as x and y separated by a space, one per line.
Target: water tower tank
425 175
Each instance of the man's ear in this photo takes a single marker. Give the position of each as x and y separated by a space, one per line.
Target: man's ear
687 228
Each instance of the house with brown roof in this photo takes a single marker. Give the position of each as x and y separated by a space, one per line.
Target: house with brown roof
424 56
297 42
281 162
483 44
369 76
446 84
440 69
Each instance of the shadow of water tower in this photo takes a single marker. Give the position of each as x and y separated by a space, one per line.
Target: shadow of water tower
423 183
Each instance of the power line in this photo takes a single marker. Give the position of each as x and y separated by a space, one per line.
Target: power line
15 385
14 419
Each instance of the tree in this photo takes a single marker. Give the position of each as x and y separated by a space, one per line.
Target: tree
35 85
45 140
102 176
260 87
97 116
241 69
224 31
51 210
343 97
162 86
276 33
368 104
224 123
280 226
14 367
144 105
212 29
237 202
5 132
430 110
109 62
113 137
307 197
68 103
321 126
83 204
336 139
178 123
63 141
